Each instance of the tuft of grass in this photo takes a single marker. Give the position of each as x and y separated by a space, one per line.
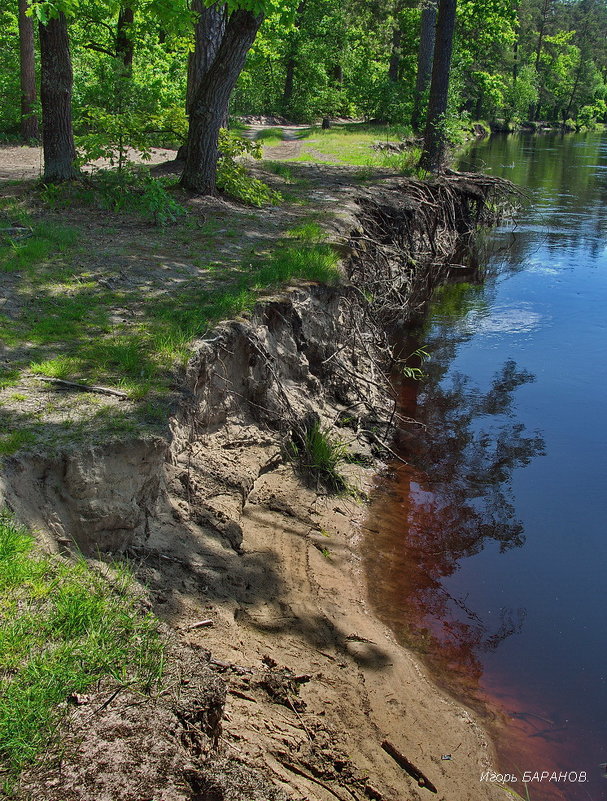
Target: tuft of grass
270 136
8 376
11 442
311 233
321 456
60 367
63 628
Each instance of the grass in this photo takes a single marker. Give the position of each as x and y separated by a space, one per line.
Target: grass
352 143
270 136
67 326
321 456
46 240
63 627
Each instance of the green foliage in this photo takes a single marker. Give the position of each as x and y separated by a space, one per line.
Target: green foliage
232 175
63 627
131 189
320 455
414 372
591 114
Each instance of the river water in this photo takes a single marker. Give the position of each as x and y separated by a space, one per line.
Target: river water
487 552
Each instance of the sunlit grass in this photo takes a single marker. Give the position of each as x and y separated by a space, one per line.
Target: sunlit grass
36 244
352 144
140 355
63 627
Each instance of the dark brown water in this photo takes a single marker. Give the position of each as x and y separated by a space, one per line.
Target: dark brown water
488 551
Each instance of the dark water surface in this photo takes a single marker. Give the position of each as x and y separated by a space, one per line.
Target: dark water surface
488 551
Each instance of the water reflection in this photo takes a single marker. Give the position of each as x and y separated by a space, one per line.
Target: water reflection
453 496
519 626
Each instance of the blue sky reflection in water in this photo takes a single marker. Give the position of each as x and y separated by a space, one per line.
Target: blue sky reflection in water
489 550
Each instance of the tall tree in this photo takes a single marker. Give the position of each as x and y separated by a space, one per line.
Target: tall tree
29 120
209 106
56 96
209 30
435 137
425 54
125 47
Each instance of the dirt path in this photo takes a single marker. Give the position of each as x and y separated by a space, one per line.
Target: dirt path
24 163
289 148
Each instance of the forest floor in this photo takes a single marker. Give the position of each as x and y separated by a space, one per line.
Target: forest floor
315 682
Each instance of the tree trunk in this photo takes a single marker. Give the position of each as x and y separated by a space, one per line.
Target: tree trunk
56 97
290 64
208 34
395 56
425 55
29 120
124 39
435 139
287 93
209 106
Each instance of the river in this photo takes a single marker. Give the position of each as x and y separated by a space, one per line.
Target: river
487 551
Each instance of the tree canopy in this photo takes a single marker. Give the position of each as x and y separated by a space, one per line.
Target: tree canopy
512 60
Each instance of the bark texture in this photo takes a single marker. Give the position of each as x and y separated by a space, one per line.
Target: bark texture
435 139
425 54
56 97
209 106
124 40
208 34
29 120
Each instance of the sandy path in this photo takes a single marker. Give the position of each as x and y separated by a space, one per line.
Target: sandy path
22 163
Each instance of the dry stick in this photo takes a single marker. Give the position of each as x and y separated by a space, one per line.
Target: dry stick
84 387
299 718
408 767
307 776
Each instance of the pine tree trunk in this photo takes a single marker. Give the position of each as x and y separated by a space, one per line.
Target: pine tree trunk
209 106
56 97
29 120
435 140
124 39
425 54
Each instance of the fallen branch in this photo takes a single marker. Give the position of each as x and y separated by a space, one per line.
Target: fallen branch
200 624
84 387
408 767
310 778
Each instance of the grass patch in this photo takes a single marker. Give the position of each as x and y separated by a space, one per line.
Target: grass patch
11 442
270 136
63 627
131 190
352 143
140 354
46 241
321 456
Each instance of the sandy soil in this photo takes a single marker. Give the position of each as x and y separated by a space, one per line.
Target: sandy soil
21 163
298 602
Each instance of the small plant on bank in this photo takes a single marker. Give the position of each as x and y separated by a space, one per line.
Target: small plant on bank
415 373
232 175
321 456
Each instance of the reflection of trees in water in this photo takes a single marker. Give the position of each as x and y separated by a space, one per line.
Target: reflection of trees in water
570 178
456 497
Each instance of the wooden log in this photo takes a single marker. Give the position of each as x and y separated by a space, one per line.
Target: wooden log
84 387
408 767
